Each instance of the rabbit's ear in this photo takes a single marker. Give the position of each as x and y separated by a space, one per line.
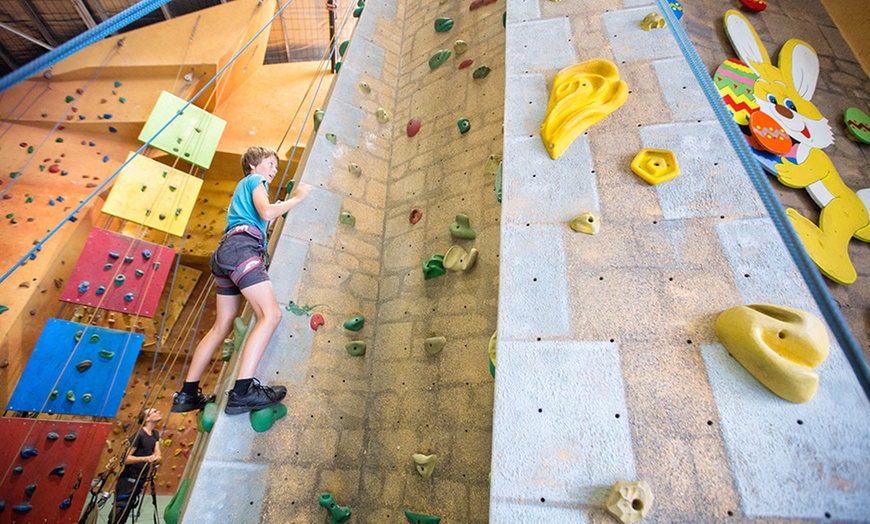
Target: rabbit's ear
798 61
744 40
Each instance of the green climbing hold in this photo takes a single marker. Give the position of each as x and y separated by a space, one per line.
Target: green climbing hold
87 397
28 200
464 125
59 140
337 66
30 149
331 137
68 99
416 518
318 118
3 309
227 350
105 353
239 331
338 513
71 396
504 19
343 48
53 395
438 58
443 24
140 273
206 417
84 365
355 324
462 228
262 419
356 348
358 11
119 280
94 338
347 218
118 83
172 513
498 179
481 72
434 267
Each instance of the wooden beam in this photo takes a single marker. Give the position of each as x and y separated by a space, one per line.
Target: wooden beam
25 36
99 10
38 21
84 14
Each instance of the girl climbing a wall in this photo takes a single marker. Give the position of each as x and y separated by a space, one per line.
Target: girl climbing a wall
239 269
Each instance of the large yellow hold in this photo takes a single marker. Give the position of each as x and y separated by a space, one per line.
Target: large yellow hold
779 345
582 95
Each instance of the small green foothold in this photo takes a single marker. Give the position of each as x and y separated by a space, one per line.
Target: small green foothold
355 324
59 140
105 353
107 267
498 179
434 267
318 118
162 216
263 419
343 48
443 24
206 417
53 395
239 331
119 280
434 345
83 366
464 125
504 19
118 83
71 396
347 218
30 149
337 66
338 513
438 58
481 72
94 338
227 350
172 188
416 518
356 348
331 137
148 212
140 273
78 335
87 397
178 212
462 228
122 100
68 99
358 11
28 200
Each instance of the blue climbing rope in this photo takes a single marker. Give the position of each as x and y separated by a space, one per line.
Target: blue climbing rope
765 191
98 32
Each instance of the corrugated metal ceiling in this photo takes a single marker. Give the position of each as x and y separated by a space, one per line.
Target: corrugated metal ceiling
29 28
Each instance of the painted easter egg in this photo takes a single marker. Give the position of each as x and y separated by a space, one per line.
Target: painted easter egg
756 6
677 8
858 124
735 83
769 134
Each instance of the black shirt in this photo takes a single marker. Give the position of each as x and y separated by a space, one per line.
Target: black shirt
144 444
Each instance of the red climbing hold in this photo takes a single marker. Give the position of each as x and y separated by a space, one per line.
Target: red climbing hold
413 126
80 91
54 168
479 3
466 63
415 216
23 144
316 321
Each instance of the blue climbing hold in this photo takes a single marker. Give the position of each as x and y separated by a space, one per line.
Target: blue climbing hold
69 437
17 470
24 507
107 116
128 297
66 504
114 255
128 259
30 490
139 273
112 130
52 435
58 471
146 254
50 202
84 286
119 280
100 290
29 452
60 199
105 158
676 8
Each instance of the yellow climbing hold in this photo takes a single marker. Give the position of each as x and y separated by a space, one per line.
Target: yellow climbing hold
458 259
630 501
582 95
778 345
655 165
652 21
425 464
589 223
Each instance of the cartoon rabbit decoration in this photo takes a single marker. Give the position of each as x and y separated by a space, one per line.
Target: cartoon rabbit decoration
784 94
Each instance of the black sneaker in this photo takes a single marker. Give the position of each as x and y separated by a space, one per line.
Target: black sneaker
256 397
183 402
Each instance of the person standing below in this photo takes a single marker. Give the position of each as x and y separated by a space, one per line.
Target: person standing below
142 457
239 269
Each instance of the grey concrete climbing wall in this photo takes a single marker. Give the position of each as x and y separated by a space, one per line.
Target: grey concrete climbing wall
354 423
608 364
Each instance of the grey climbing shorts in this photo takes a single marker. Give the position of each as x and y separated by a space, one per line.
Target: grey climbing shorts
240 261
